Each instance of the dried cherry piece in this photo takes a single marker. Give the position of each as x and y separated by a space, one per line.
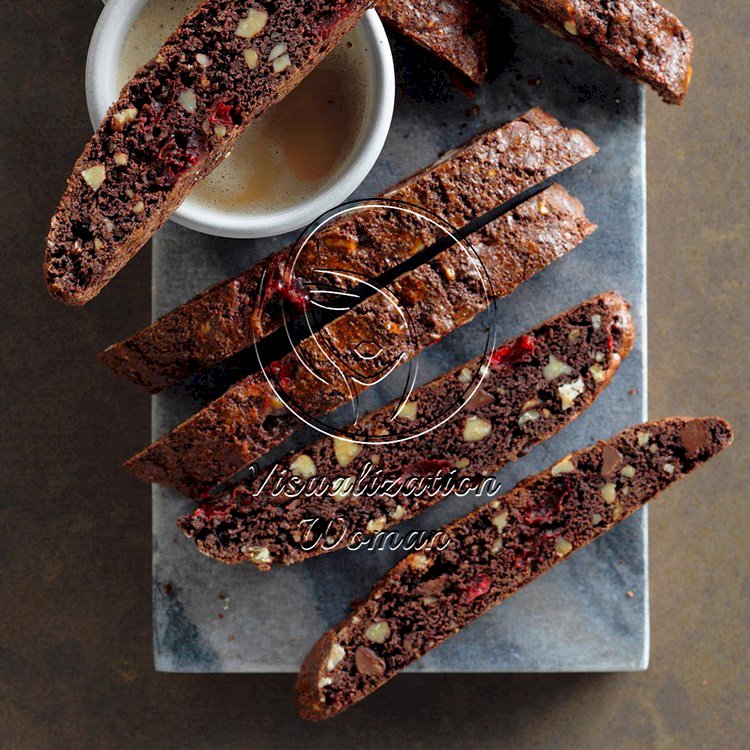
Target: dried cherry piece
339 14
280 282
176 159
207 511
292 290
225 112
283 373
477 587
514 352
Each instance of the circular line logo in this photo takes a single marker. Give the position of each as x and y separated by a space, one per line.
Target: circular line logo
350 329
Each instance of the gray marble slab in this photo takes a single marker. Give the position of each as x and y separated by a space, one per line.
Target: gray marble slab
579 617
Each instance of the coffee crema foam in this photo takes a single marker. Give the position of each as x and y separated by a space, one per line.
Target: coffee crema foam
292 152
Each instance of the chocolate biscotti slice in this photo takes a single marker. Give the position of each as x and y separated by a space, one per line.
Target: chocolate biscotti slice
530 388
456 32
494 551
637 37
490 169
227 63
328 369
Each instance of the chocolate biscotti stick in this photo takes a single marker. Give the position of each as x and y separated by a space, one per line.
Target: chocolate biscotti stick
487 171
534 385
327 370
227 63
637 37
456 32
494 551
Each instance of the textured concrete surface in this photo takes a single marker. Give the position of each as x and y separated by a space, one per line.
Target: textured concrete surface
75 650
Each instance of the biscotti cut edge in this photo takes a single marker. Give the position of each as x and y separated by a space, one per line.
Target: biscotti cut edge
456 33
639 38
174 122
389 630
520 399
470 181
441 295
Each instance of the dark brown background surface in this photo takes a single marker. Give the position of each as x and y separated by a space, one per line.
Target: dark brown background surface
75 646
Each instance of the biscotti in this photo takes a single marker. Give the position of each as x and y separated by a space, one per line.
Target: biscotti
437 297
430 595
228 62
456 32
487 171
532 387
637 37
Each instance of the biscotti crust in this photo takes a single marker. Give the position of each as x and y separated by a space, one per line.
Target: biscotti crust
497 549
175 122
456 32
490 169
639 38
519 404
441 295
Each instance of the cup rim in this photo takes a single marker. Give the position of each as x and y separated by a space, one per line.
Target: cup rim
101 90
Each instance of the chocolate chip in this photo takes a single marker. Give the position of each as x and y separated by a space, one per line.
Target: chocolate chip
695 436
610 460
368 662
479 400
433 586
281 499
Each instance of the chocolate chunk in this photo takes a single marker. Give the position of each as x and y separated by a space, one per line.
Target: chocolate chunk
695 436
434 586
479 400
427 467
610 460
368 662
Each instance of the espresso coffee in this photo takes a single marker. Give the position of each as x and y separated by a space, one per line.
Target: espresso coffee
292 152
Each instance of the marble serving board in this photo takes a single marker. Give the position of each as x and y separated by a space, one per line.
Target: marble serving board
590 613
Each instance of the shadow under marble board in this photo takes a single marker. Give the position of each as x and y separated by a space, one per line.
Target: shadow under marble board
579 617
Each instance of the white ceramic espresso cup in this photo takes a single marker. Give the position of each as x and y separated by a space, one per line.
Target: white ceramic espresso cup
102 89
